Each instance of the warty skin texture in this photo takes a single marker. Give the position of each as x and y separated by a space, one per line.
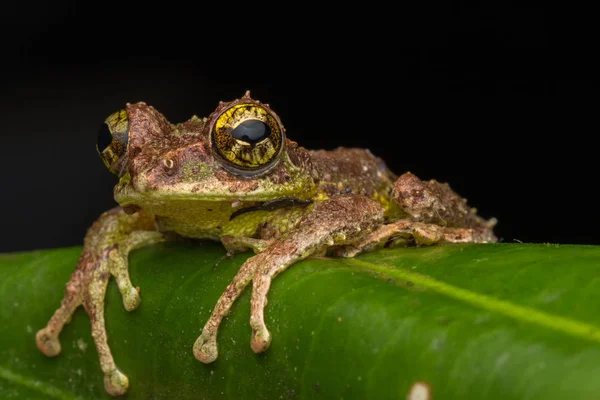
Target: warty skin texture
287 203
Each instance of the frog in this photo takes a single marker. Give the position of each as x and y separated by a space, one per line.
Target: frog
235 177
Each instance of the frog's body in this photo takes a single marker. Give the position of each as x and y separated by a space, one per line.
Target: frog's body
235 177
179 180
211 219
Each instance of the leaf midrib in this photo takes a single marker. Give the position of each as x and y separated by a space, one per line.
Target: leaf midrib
36 385
526 314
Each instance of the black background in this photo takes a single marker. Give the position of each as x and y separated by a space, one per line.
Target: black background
493 99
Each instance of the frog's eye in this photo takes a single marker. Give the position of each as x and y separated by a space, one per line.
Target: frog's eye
112 141
249 137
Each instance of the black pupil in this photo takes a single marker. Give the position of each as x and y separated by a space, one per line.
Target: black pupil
104 138
251 131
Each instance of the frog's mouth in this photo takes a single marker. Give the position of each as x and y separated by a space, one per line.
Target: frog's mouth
283 202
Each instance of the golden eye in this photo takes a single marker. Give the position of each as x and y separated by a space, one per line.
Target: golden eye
112 141
249 137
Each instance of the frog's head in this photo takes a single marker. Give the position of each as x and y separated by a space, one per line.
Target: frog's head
239 152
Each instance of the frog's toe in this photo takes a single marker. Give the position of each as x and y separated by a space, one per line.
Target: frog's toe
47 342
131 298
116 383
261 338
205 348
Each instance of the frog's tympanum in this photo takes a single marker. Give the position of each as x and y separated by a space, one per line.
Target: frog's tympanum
235 177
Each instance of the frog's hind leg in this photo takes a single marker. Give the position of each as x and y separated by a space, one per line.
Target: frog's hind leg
105 251
405 231
435 214
436 203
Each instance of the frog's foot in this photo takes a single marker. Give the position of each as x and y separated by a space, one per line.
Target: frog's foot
205 347
116 383
404 231
105 251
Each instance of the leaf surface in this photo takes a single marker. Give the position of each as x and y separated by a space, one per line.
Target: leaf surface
501 321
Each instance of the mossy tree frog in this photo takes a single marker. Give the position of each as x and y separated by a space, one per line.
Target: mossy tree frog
235 177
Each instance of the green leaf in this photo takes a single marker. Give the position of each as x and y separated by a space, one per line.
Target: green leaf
503 321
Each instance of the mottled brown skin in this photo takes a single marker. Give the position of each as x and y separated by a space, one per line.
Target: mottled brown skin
173 182
435 203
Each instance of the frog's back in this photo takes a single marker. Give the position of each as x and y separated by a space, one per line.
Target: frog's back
355 170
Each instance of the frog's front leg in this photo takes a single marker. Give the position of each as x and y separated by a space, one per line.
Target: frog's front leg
106 247
341 220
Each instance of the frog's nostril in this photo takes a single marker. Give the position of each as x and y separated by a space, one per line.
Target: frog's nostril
168 163
169 166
